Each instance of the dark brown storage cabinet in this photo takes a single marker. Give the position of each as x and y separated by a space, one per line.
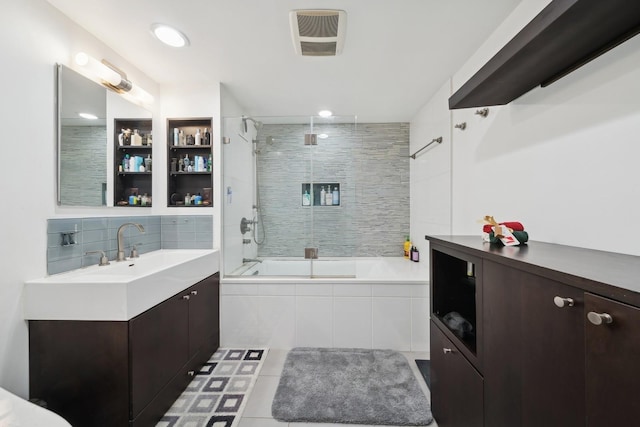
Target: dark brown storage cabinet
124 373
180 180
556 341
128 182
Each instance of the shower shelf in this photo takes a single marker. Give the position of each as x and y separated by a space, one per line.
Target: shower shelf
317 190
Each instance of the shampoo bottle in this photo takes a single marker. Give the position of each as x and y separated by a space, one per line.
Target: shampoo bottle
407 248
306 199
207 137
336 196
176 136
201 164
323 199
198 137
329 196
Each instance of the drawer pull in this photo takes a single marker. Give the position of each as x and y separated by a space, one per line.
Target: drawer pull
185 297
448 350
563 302
191 373
599 318
194 292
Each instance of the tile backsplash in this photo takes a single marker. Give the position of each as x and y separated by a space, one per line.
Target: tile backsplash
99 234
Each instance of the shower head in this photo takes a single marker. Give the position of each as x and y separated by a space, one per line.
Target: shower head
256 123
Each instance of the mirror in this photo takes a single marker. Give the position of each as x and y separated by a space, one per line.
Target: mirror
85 146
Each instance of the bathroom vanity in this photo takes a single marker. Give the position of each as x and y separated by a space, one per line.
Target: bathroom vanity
542 334
128 367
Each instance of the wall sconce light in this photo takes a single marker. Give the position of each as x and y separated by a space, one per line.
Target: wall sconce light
112 77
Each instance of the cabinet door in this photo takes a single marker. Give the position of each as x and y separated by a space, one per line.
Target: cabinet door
552 354
204 323
456 387
534 350
159 346
612 353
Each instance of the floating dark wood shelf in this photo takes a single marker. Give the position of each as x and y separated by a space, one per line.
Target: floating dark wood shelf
564 36
182 147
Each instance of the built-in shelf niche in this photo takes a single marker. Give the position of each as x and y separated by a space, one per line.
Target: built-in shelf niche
314 190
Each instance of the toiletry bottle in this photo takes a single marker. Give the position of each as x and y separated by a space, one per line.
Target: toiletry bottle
336 196
306 198
132 164
181 138
187 199
416 255
407 247
149 139
136 139
207 137
329 196
176 136
413 248
198 137
323 198
186 163
209 164
199 199
125 163
201 164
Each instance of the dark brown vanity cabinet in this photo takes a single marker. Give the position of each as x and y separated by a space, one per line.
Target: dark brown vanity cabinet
558 336
456 386
124 373
612 358
534 350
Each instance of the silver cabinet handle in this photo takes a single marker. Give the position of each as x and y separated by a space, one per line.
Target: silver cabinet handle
599 318
563 302
194 292
185 297
191 373
448 350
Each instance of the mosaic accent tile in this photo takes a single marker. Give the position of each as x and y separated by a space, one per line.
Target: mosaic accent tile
218 394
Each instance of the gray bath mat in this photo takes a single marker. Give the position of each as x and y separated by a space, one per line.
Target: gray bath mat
351 386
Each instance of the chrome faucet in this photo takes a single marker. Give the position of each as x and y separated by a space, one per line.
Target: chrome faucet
121 256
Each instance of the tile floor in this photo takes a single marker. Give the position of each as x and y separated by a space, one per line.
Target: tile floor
257 412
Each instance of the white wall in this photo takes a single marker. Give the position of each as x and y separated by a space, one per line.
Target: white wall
33 37
562 159
431 170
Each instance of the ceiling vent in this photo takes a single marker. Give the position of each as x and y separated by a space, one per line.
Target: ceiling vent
318 32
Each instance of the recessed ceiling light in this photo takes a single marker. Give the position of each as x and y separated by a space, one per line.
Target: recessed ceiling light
169 35
323 136
325 113
88 116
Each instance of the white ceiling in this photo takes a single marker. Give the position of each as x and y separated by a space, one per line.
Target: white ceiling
396 55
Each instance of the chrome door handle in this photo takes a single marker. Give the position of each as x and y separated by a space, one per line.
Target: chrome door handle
563 302
599 318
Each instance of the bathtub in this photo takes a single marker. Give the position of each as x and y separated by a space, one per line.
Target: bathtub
353 302
378 269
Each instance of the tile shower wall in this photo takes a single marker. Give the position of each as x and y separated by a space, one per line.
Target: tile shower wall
91 234
371 164
84 169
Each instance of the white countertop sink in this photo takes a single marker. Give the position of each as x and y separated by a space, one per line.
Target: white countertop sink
121 290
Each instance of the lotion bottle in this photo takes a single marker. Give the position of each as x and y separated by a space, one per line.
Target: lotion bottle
329 196
198 137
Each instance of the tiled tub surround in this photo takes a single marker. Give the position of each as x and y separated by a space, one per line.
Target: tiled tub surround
371 163
99 234
369 311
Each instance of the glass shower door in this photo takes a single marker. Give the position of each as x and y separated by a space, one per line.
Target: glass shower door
332 190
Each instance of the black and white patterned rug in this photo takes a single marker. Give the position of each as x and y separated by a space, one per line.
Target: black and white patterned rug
219 391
